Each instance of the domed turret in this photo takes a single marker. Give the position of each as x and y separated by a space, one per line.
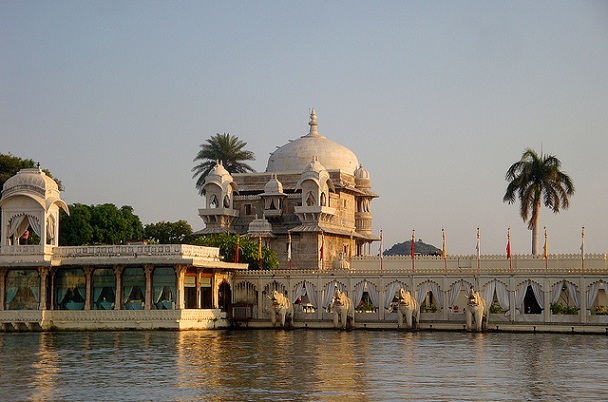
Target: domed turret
362 178
31 179
296 155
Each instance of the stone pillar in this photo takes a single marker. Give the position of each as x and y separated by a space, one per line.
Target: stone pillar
381 298
118 278
148 270
582 299
512 288
88 299
180 273
44 274
199 289
2 287
547 303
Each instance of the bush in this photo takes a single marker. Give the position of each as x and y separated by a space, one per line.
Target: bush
558 308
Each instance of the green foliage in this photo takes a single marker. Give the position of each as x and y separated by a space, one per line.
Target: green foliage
10 165
558 308
428 308
225 148
495 308
537 180
179 232
99 224
248 250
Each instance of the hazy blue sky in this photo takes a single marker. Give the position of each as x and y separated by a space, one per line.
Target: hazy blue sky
437 99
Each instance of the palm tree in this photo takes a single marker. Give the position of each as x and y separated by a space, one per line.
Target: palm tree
534 180
225 148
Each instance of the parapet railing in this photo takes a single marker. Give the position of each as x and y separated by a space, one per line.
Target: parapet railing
156 250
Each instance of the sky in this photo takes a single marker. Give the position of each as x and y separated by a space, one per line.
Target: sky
436 99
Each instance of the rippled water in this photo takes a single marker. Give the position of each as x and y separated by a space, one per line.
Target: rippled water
302 365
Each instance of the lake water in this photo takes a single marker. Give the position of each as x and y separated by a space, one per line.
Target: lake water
302 365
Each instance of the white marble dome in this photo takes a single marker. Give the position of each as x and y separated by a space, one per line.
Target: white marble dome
33 179
296 155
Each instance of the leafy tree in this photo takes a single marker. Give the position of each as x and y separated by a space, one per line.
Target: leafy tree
535 180
168 232
99 224
248 250
76 229
10 165
225 148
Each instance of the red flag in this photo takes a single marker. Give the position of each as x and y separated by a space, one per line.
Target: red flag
412 246
509 243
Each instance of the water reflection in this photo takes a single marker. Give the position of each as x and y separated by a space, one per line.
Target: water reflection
301 365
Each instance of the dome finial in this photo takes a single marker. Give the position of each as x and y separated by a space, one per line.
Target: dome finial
313 123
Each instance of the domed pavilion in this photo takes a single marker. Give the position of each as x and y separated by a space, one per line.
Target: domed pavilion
314 199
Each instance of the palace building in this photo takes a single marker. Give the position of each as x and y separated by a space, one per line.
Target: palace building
45 285
311 204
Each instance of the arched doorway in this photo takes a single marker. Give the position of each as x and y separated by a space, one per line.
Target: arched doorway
224 296
531 305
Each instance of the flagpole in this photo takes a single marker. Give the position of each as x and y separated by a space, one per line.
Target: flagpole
322 256
260 251
443 251
583 248
289 248
381 251
236 253
509 249
412 251
478 251
545 250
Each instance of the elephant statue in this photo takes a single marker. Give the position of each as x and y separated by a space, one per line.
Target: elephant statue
407 307
477 311
282 309
342 308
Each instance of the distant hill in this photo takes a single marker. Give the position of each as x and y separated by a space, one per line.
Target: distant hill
420 247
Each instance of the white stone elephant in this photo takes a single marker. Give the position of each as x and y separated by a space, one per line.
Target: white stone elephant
342 308
407 307
282 309
477 311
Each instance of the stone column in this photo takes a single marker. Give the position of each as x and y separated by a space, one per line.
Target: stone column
148 270
547 303
199 289
118 269
582 299
180 273
2 287
44 274
512 290
88 298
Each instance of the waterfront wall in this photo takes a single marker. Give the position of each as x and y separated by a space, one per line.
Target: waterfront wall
563 279
46 320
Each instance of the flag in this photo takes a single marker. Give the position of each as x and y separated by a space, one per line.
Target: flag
412 246
508 243
380 249
478 247
322 251
289 248
443 250
236 249
545 247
